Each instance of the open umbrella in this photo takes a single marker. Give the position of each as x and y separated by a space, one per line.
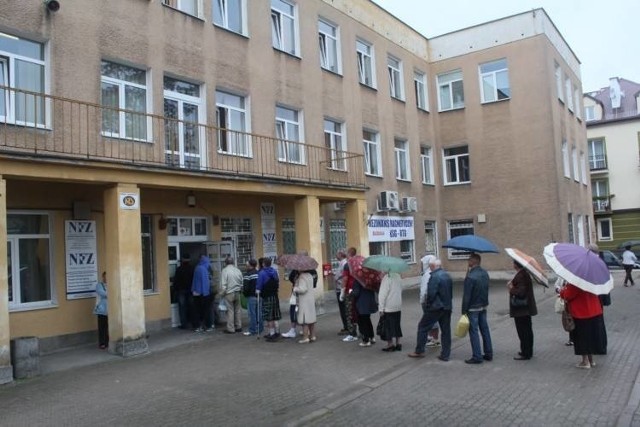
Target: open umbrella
386 264
367 277
629 243
298 262
530 264
471 243
579 266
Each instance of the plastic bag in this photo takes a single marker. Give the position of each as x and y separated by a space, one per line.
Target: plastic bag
559 305
222 305
463 326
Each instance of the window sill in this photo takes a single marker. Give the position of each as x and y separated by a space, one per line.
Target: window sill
454 184
451 109
150 293
199 18
495 102
230 31
398 99
331 72
423 110
429 184
289 54
371 175
364 85
403 180
36 306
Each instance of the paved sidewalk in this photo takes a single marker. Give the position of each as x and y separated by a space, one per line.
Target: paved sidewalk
217 379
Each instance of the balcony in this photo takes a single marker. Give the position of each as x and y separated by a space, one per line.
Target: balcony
602 204
598 163
50 128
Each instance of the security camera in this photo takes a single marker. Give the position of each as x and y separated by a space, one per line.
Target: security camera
52 5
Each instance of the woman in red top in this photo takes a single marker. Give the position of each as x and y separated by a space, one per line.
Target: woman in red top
590 335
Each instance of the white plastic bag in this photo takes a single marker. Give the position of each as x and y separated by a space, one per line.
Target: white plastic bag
559 305
222 305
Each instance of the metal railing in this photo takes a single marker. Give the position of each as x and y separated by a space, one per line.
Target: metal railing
602 204
598 162
51 127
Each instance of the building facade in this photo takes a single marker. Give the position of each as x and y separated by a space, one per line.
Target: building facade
134 133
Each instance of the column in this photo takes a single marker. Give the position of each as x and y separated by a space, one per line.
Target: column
6 371
357 232
127 335
307 216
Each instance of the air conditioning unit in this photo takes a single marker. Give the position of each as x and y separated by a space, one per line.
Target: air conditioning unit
388 201
409 204
339 206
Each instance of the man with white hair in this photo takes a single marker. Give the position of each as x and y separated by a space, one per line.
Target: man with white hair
436 308
231 284
434 334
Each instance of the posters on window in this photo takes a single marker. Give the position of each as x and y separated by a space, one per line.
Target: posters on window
268 221
81 258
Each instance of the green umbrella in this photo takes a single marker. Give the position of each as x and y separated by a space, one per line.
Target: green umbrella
387 264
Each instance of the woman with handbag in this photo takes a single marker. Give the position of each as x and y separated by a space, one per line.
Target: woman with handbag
390 304
522 306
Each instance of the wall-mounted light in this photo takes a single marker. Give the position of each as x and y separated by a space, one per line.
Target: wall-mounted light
191 200
52 5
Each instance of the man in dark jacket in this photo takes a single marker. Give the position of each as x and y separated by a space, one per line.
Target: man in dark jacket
436 307
182 286
250 280
475 300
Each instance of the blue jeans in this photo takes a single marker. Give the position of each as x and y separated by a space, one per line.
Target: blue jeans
184 307
255 316
430 318
478 320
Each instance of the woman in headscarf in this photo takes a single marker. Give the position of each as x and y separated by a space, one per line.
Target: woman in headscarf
306 305
522 305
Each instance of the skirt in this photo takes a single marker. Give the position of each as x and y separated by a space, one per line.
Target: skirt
391 326
270 308
589 336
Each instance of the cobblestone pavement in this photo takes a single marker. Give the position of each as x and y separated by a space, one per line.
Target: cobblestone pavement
218 379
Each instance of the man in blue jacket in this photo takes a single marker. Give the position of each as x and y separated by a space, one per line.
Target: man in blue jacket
475 300
201 289
436 307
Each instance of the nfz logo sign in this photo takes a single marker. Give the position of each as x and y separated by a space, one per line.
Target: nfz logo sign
82 259
81 226
129 200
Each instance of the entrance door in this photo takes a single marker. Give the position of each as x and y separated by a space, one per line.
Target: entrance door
218 252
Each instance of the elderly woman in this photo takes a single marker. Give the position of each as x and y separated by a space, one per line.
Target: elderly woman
522 305
365 301
590 335
390 304
303 289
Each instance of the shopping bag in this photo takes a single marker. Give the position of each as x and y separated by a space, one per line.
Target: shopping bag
380 329
567 321
559 305
222 305
463 326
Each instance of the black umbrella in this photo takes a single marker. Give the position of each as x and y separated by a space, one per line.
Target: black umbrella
629 243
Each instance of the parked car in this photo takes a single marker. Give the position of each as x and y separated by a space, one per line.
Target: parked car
613 261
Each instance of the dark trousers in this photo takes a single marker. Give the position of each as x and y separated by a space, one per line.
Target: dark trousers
203 311
343 311
366 327
525 333
429 318
628 269
184 307
103 330
352 316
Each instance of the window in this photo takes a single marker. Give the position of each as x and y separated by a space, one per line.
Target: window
29 260
366 70
283 26
450 91
568 87
396 85
459 228
600 195
605 230
565 160
430 238
558 73
183 112
576 165
426 165
378 248
191 7
577 100
334 142
231 119
407 251
587 226
494 81
371 145
597 154
402 160
124 88
188 228
456 165
289 235
583 163
288 132
589 113
22 67
148 281
229 14
420 86
570 227
329 44
337 239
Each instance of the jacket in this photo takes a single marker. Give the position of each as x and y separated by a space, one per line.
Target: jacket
183 278
582 304
201 284
522 288
439 291
249 281
268 282
230 280
101 300
306 298
365 299
390 294
476 290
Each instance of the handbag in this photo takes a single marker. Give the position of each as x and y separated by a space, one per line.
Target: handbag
517 301
567 321
463 326
380 329
559 305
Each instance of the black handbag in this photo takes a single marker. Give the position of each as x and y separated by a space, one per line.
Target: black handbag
517 301
380 329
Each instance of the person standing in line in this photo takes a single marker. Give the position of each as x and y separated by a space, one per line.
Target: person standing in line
101 311
390 306
182 280
230 287
434 333
249 281
475 301
339 278
522 306
628 261
267 291
349 304
436 307
306 315
365 302
201 290
293 307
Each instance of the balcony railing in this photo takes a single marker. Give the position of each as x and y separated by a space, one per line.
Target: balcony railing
50 127
602 204
598 162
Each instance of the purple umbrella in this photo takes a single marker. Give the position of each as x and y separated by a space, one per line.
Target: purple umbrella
580 267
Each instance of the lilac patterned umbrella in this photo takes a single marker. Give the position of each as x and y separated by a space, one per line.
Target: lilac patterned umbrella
580 267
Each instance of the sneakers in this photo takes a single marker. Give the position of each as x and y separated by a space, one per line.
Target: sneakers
247 334
304 341
209 329
198 330
291 334
433 343
583 365
372 340
365 344
313 339
349 338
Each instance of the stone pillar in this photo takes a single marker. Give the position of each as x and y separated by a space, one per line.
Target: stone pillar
357 232
6 370
307 217
127 335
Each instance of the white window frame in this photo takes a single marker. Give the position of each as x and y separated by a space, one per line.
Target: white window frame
597 159
335 142
599 227
396 78
325 41
576 165
583 162
456 158
420 87
403 171
13 241
181 6
181 234
426 165
566 164
576 95
223 6
431 227
568 87
493 77
286 144
559 82
459 225
278 20
238 140
589 113
445 82
371 148
409 255
366 62
384 248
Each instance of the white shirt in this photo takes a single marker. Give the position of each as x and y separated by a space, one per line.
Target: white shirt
629 258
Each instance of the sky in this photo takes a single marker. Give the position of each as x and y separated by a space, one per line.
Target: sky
605 35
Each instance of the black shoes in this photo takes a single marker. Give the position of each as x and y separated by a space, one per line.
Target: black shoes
444 359
473 361
228 332
487 358
521 358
